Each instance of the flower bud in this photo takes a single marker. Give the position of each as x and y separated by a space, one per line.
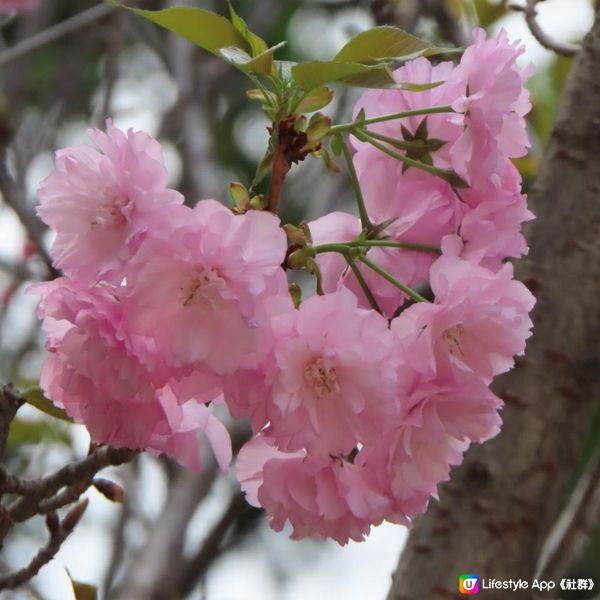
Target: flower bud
109 489
74 516
301 258
240 197
318 127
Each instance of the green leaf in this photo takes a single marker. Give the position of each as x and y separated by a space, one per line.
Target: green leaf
260 51
83 591
385 44
261 64
214 33
202 27
316 100
284 67
263 168
257 44
418 87
35 397
336 144
314 74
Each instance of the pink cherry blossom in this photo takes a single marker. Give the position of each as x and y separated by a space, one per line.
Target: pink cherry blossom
197 290
446 127
321 497
93 374
495 103
478 322
247 390
424 207
334 384
97 201
438 424
491 232
334 228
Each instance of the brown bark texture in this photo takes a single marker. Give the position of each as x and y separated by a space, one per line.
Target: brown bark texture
494 514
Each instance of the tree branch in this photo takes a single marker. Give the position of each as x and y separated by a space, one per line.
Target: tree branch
13 196
59 532
211 548
80 473
55 32
151 575
530 12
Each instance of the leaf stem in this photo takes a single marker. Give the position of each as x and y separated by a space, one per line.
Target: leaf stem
395 244
344 127
445 174
364 286
345 247
388 277
362 209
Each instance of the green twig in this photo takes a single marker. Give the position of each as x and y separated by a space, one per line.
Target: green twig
388 277
345 247
364 286
355 125
362 209
445 174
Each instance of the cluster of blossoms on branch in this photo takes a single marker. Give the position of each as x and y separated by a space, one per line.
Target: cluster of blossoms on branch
362 396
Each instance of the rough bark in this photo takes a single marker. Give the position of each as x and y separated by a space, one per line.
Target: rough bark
496 511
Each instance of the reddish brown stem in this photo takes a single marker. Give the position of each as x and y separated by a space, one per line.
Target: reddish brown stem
281 167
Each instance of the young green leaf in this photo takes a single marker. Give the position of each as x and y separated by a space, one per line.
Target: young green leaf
385 43
257 44
284 68
418 87
35 397
336 144
261 64
316 100
82 591
314 74
263 168
202 27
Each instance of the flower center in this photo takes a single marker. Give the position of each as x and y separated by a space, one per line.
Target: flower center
110 210
202 289
452 338
322 377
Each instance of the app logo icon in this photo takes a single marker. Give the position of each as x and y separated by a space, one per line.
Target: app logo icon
468 584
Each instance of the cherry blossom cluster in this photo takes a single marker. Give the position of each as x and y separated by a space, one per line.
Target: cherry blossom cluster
362 396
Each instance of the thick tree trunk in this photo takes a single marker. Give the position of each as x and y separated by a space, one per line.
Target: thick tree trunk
495 513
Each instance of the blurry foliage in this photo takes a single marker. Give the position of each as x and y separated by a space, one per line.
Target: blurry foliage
489 12
82 591
36 432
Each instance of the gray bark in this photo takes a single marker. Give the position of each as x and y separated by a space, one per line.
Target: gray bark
499 506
